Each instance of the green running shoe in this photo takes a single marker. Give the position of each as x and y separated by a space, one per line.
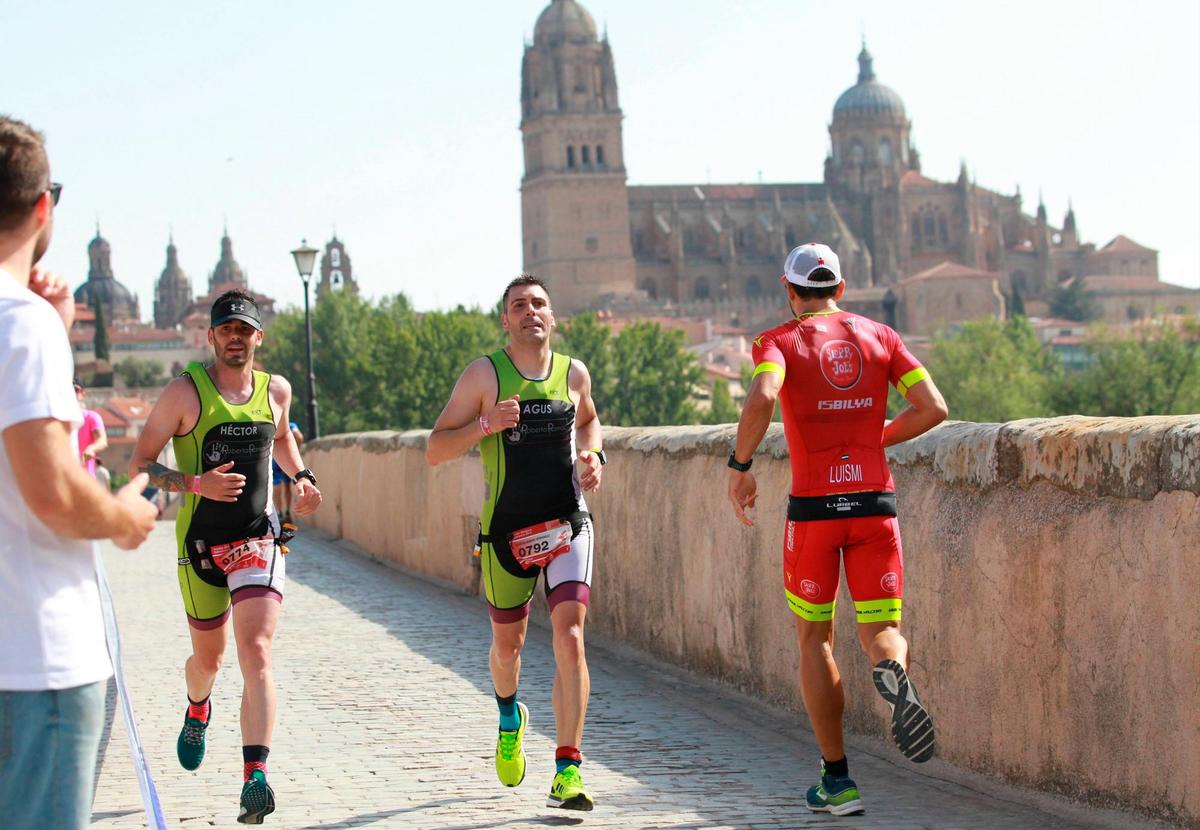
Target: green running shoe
190 746
568 793
838 796
510 752
258 799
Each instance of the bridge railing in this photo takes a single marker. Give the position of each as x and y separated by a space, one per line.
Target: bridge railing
1052 582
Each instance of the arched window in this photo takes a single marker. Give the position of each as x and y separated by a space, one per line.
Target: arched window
753 288
700 289
651 288
585 155
885 151
570 156
929 229
599 154
916 230
942 235
857 151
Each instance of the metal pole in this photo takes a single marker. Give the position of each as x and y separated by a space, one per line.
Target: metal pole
314 429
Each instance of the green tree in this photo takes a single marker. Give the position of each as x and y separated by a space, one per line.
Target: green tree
1072 301
654 378
993 371
584 337
1154 372
140 374
723 410
100 339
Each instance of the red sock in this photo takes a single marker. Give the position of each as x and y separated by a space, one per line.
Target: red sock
199 711
249 767
567 756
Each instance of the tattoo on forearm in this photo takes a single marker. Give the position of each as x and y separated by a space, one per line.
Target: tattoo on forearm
164 477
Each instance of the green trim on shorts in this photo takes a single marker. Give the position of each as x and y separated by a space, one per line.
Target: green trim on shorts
878 610
202 601
808 610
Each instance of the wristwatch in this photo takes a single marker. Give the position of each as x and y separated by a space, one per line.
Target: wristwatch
305 473
734 464
600 454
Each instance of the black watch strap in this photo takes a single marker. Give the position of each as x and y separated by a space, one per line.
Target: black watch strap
600 454
734 464
305 473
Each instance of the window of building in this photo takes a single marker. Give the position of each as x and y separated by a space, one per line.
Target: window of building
700 289
592 244
916 231
651 288
942 235
599 154
857 152
930 238
570 156
335 257
885 151
585 155
753 288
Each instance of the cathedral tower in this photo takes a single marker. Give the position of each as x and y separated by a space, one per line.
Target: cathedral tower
574 202
173 293
228 274
336 272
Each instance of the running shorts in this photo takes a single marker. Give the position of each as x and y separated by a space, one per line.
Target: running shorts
868 546
209 593
509 588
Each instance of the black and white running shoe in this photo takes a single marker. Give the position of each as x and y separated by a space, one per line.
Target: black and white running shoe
912 728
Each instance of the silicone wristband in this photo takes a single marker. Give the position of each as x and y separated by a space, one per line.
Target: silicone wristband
485 425
194 485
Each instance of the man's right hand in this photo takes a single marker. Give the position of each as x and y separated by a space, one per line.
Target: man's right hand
505 414
140 512
219 484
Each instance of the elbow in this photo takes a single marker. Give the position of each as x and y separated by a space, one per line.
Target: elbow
760 400
432 456
48 507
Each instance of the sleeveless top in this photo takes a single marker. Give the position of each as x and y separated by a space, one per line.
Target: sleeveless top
529 470
241 433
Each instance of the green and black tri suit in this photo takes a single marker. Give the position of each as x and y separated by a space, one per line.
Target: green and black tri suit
245 435
529 477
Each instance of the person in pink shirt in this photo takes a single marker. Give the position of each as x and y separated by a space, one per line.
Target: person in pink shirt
92 437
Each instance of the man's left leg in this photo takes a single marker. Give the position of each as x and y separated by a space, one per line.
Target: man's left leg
254 622
572 687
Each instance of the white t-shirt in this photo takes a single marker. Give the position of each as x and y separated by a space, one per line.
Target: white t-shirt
51 625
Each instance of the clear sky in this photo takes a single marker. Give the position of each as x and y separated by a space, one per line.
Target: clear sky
397 122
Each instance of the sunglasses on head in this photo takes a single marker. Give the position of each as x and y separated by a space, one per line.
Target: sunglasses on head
55 189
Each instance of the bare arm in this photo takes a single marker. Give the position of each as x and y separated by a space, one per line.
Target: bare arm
752 426
287 453
588 435
99 445
458 428
287 450
60 493
926 409
165 421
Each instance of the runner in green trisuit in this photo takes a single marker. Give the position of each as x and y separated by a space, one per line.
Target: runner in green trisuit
530 410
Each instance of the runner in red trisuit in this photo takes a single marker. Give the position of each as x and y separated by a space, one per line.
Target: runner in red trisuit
830 370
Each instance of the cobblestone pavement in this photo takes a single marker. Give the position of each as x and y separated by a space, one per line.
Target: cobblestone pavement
386 719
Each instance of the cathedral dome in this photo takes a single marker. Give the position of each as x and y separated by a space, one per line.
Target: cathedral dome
118 301
564 20
868 96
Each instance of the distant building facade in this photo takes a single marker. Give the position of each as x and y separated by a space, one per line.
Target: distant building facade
599 241
337 273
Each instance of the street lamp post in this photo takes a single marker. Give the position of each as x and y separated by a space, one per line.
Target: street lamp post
305 258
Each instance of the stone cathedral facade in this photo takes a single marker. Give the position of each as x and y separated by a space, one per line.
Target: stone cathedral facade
917 253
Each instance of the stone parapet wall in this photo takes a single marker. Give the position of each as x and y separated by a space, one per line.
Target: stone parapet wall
1052 582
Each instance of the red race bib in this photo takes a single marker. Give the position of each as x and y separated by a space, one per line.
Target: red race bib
248 553
539 544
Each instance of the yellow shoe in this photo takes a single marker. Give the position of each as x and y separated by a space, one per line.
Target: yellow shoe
568 793
510 752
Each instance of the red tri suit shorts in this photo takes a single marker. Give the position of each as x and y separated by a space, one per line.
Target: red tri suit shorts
870 548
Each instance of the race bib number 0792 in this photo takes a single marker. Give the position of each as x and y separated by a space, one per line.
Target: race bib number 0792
541 543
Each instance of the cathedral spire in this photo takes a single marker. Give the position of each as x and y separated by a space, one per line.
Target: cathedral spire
866 64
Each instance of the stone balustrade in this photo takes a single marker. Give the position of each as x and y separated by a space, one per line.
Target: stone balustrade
1052 582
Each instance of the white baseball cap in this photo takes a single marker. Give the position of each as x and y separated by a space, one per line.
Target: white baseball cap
805 259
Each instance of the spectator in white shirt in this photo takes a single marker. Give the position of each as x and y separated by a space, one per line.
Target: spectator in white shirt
53 659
